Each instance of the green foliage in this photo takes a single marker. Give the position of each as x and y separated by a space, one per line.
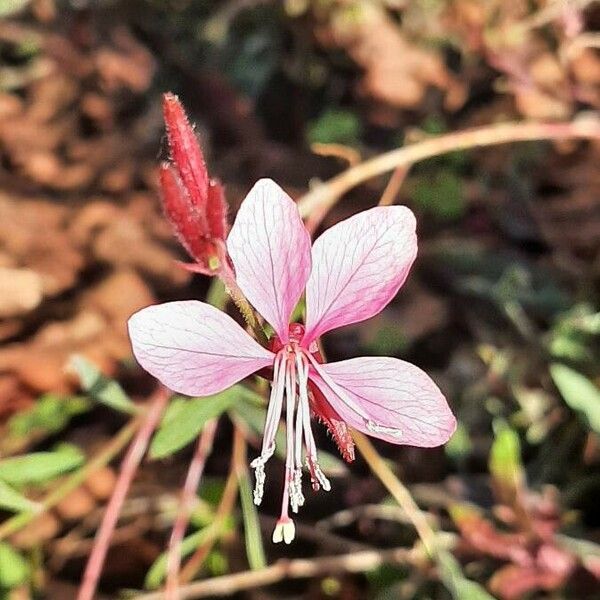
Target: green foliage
454 579
573 332
579 393
49 414
10 7
101 388
460 443
39 467
387 341
498 276
158 570
252 534
505 460
185 419
13 567
440 195
13 501
335 126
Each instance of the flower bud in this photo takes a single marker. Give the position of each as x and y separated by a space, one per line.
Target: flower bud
194 204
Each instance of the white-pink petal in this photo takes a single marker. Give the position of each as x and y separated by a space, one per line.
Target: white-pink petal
194 348
270 250
358 266
396 400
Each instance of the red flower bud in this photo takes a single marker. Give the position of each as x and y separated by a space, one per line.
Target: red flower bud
194 204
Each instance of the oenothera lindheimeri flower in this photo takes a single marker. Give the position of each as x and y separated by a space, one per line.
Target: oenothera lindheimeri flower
350 274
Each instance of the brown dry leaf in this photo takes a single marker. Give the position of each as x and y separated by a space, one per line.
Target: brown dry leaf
21 291
396 71
125 243
33 233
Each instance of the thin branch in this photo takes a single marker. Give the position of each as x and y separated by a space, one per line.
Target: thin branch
393 186
315 205
385 512
399 492
188 496
299 568
130 464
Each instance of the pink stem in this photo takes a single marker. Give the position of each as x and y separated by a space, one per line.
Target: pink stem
130 464
192 481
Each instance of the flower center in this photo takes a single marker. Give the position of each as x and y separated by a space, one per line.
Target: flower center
290 387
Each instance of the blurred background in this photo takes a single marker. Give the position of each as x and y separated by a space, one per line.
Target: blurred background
502 306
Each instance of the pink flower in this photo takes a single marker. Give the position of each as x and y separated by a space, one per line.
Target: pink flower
351 273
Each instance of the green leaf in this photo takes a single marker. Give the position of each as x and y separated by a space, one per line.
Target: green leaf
505 460
440 195
158 570
454 579
335 126
579 393
185 418
12 501
10 7
254 416
13 568
38 467
50 413
252 535
101 388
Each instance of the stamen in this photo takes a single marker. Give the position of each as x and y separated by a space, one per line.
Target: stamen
293 482
337 389
290 382
285 531
271 424
317 477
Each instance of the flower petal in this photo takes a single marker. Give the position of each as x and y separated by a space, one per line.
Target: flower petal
397 401
270 250
194 348
358 266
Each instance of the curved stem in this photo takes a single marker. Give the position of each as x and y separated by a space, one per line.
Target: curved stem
315 205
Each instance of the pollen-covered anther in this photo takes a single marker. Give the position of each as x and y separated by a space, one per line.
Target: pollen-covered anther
258 464
285 531
317 476
295 491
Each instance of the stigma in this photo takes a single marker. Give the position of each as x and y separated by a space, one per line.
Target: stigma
289 393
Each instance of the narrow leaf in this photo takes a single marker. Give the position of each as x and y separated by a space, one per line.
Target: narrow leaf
252 534
101 388
579 393
11 500
13 568
185 419
505 461
38 467
455 581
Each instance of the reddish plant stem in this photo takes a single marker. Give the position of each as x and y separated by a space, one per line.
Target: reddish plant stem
192 481
130 464
225 508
